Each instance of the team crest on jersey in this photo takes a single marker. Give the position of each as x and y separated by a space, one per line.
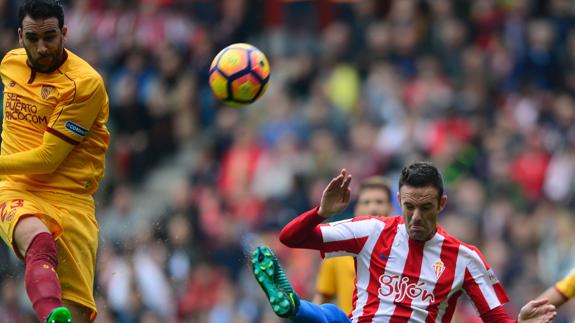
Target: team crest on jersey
438 268
46 91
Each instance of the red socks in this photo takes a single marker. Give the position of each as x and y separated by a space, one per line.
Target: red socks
42 282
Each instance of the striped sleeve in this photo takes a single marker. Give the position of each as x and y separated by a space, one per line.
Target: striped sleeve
481 284
348 237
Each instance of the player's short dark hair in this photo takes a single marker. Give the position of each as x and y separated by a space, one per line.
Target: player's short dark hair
42 9
422 174
377 182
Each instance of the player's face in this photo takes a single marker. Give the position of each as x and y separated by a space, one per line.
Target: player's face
44 42
420 207
373 201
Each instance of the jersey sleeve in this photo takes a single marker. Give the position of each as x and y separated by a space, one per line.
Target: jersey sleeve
341 238
566 286
347 237
71 121
325 283
481 284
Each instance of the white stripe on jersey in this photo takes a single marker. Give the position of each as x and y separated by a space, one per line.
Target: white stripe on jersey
351 230
363 263
430 256
480 274
394 267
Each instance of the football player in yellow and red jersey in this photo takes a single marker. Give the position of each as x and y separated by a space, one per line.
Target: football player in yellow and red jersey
54 141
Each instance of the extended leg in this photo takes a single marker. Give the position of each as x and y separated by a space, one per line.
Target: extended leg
284 300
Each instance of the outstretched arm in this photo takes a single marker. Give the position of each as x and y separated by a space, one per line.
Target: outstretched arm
537 311
554 296
304 231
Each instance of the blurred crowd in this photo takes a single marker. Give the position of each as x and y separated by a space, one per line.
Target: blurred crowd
484 89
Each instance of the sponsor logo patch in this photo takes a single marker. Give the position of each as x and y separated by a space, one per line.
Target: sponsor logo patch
76 129
401 288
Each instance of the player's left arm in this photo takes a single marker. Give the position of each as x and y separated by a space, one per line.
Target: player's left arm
481 284
68 126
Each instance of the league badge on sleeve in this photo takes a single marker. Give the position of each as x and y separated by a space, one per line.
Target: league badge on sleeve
76 129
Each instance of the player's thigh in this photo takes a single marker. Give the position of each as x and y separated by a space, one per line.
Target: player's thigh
17 228
27 227
80 314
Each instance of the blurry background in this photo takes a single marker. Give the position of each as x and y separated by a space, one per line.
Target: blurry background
484 89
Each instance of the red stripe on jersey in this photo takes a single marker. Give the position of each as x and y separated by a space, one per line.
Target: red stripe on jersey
378 261
303 231
350 245
475 293
354 297
449 253
501 294
411 270
451 303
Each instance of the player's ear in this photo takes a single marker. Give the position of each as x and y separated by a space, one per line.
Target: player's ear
64 31
20 41
442 202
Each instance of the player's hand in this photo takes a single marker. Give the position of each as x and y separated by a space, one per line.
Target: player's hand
537 311
336 195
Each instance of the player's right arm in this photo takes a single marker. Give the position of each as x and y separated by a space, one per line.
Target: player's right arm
346 237
43 159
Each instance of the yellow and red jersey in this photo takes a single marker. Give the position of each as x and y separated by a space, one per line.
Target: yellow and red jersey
70 103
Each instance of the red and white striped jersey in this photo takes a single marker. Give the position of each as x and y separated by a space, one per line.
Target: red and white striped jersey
400 279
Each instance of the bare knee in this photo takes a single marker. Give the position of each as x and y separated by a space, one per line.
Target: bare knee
80 314
26 229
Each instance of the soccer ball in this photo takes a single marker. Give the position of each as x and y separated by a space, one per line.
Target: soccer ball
239 75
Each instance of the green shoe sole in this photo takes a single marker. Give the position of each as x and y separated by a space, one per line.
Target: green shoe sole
59 315
264 269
